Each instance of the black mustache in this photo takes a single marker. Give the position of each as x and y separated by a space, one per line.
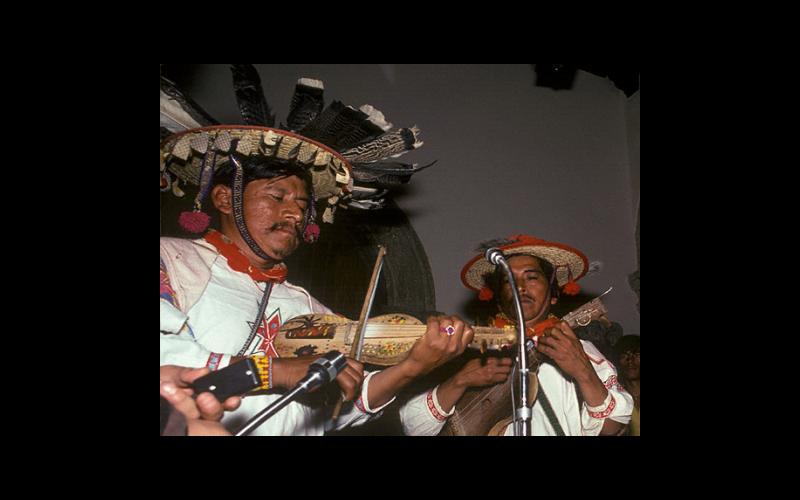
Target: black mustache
285 225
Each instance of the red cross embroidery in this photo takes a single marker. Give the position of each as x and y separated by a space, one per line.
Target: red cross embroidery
267 331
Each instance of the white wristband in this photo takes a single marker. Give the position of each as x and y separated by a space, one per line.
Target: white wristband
604 410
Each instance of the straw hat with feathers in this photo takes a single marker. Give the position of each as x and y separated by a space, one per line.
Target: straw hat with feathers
345 149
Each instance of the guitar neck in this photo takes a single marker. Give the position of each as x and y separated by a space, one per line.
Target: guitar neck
583 315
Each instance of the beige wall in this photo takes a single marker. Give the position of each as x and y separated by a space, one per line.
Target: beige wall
513 158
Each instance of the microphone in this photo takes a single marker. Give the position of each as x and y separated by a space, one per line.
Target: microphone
494 255
322 371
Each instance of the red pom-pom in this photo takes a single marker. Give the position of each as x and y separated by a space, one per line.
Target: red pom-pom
311 234
571 288
194 222
485 294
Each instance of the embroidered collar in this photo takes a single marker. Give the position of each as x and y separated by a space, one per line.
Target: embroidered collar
239 262
501 320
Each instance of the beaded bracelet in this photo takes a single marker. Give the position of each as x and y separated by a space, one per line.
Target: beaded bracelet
264 366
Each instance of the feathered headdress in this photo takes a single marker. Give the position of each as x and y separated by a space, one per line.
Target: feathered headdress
345 149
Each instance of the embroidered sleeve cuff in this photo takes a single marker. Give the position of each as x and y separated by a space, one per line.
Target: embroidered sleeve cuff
217 361
604 410
362 403
436 410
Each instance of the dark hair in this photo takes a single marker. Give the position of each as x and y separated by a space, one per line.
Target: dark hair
262 167
495 278
625 344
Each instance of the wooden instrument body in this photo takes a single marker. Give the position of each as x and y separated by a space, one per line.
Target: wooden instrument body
387 341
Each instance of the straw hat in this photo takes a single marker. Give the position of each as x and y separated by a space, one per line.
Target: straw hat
191 151
569 263
341 146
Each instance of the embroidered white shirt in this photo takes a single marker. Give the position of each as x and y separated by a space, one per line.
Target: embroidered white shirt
418 419
217 326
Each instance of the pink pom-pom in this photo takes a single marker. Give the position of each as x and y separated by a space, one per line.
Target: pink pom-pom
194 222
311 234
485 294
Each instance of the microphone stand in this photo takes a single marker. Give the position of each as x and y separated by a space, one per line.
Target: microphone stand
522 420
320 372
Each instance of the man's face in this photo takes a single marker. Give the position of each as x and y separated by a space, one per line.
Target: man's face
274 210
629 365
533 287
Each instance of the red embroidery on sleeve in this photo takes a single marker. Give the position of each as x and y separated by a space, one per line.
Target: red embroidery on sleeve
167 293
438 416
213 361
360 405
605 413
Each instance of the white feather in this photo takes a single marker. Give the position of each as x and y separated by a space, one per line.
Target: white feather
311 82
595 267
376 117
173 117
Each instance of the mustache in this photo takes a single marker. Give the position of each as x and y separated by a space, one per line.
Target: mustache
285 225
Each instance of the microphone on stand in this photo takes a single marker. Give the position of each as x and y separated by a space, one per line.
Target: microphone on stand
322 371
523 415
495 256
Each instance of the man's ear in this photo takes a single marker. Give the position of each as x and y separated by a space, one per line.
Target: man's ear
222 197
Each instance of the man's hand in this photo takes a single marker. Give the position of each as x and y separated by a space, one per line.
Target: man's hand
289 371
203 413
482 372
562 346
445 338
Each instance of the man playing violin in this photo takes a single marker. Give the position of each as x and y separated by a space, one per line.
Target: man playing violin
578 389
224 296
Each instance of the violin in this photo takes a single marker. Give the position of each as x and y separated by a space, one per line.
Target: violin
389 338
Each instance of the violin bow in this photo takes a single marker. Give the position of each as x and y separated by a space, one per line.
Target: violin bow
358 340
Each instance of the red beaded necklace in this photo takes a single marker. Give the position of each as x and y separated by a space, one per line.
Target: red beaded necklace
238 261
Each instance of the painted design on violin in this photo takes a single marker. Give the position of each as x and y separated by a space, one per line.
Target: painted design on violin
309 327
396 319
306 350
386 350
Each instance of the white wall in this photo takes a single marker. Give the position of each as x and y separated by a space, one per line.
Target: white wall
513 158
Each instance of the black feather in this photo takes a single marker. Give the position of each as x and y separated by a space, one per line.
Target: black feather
386 173
307 103
390 144
192 108
250 96
341 127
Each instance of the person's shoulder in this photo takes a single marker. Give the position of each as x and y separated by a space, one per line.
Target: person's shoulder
291 289
297 291
199 245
